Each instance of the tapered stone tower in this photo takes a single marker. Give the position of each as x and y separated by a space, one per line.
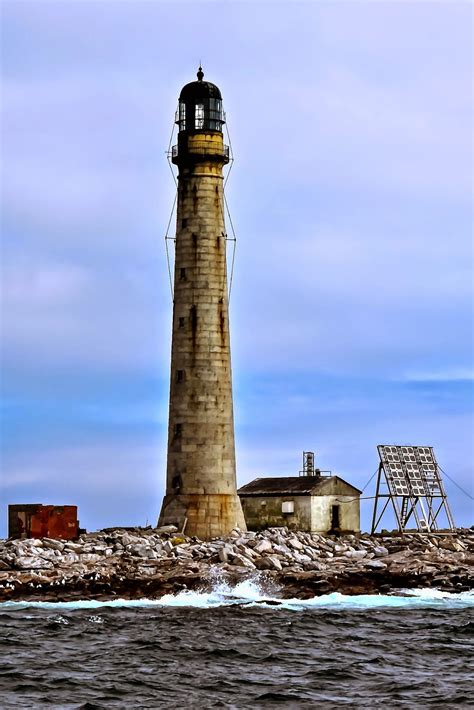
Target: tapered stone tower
201 494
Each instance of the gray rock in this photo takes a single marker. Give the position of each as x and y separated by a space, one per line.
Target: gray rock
376 564
275 562
452 545
355 554
69 559
380 551
90 557
243 561
166 529
72 547
301 557
263 546
282 549
50 555
314 566
223 555
139 550
51 544
33 563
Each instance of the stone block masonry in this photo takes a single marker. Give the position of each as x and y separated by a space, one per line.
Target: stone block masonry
201 492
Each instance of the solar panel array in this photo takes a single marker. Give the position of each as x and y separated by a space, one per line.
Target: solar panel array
410 470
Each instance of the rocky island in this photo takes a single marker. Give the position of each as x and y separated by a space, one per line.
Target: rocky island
134 563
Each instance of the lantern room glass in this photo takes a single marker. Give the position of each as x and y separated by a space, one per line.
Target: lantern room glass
201 115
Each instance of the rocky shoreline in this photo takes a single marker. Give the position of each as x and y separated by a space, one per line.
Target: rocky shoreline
148 563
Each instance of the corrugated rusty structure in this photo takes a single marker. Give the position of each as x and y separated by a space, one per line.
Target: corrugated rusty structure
201 496
36 520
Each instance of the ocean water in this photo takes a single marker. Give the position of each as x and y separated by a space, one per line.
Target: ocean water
240 647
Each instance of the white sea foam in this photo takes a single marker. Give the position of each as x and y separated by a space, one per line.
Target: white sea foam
249 593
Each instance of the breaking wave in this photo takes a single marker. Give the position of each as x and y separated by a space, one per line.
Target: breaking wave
250 593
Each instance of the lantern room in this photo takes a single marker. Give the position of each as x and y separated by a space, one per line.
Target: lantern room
200 107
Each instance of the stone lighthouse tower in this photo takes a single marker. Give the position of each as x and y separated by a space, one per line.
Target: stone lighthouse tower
201 495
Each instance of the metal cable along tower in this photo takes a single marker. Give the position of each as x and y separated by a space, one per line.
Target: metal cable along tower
411 479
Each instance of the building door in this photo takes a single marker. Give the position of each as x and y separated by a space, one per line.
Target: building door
335 524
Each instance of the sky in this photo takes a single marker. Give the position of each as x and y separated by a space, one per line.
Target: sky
351 196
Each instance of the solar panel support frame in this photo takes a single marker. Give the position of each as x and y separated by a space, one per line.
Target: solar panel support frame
420 474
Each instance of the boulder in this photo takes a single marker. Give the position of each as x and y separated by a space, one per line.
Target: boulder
451 545
275 562
376 564
263 546
240 560
73 547
90 557
166 529
31 562
51 544
356 554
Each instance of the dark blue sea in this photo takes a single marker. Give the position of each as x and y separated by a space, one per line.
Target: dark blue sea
237 648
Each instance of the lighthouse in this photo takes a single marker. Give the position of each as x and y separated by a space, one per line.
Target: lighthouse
201 493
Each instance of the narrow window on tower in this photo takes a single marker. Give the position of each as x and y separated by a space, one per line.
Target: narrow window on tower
199 116
182 274
182 117
181 322
179 375
178 430
184 222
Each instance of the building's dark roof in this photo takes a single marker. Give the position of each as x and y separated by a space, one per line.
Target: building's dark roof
199 90
295 485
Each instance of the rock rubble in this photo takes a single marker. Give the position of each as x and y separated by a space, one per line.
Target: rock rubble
146 562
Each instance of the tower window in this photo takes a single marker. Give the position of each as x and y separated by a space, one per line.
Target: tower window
178 430
179 375
182 117
182 274
181 322
184 223
199 123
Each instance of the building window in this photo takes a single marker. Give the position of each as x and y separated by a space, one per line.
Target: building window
288 507
199 116
181 322
178 430
182 274
179 375
184 222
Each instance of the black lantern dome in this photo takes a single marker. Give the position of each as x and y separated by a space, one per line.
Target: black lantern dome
200 106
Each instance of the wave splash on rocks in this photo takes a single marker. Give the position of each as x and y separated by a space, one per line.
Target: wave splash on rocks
250 593
162 563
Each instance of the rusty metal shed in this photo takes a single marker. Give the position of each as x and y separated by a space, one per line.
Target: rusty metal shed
37 520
